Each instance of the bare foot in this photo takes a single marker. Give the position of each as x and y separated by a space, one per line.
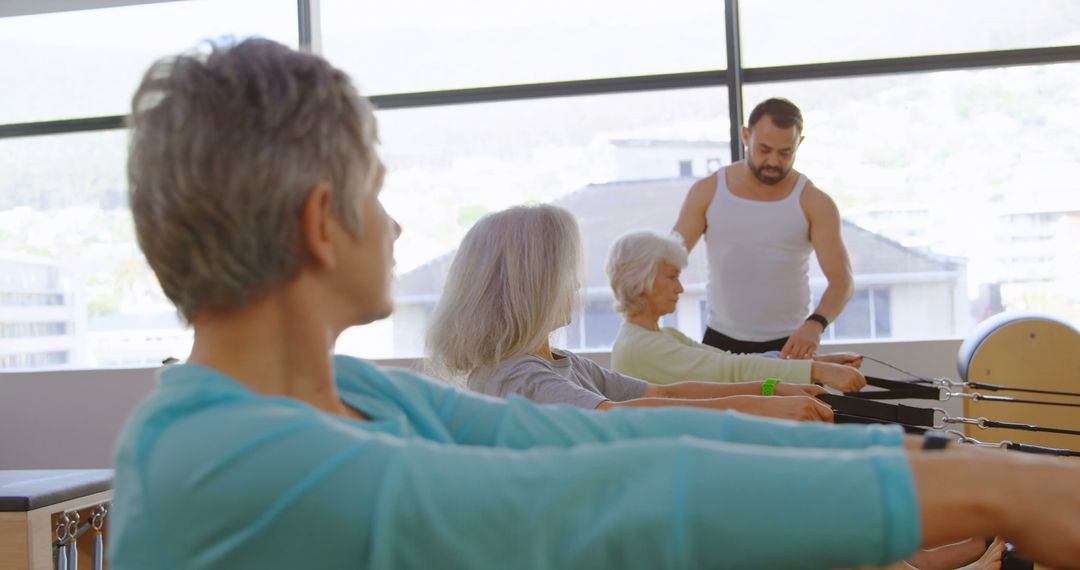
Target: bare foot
991 559
950 556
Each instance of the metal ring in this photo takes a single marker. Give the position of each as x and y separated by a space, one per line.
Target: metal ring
98 520
948 383
61 532
71 518
981 422
944 420
963 438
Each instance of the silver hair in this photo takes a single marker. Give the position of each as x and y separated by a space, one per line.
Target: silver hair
633 262
515 279
226 144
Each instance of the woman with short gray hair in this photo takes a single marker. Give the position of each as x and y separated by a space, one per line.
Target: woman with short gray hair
643 268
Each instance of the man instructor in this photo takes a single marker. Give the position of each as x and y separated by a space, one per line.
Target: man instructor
761 219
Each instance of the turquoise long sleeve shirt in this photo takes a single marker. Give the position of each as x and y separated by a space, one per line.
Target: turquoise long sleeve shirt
210 474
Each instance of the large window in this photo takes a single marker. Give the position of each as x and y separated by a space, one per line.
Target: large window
420 45
75 290
969 181
613 160
87 63
72 280
957 183
789 32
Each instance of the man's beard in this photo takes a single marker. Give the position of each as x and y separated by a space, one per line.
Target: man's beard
768 175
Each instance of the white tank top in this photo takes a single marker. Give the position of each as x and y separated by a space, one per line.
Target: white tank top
759 264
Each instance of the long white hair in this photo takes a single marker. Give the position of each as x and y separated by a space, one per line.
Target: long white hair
515 279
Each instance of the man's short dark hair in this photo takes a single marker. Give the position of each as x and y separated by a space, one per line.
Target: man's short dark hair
783 113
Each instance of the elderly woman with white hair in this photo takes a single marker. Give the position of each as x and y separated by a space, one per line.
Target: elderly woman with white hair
515 281
644 268
255 186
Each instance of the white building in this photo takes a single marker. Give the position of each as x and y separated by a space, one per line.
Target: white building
1027 261
42 313
650 159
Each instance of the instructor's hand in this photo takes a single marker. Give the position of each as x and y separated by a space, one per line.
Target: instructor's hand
804 342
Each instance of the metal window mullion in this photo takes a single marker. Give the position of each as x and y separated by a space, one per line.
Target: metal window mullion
309 22
734 78
581 330
65 126
873 319
915 64
613 85
37 7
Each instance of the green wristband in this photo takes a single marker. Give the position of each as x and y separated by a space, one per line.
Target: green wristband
768 388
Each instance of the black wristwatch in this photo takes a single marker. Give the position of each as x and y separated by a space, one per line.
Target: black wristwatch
933 440
819 320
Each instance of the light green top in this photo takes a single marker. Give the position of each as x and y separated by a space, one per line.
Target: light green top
670 356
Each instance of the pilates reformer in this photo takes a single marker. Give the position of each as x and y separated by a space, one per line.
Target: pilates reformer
1040 357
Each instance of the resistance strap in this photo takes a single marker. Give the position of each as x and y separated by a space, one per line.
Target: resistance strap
897 390
985 398
916 390
916 379
1042 450
871 410
842 418
985 423
997 388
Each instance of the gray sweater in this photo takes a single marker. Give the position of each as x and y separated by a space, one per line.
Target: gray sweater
571 380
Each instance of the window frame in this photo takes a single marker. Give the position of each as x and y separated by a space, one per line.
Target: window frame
733 77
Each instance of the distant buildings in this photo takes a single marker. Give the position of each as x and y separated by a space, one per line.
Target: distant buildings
1022 251
138 335
42 314
44 322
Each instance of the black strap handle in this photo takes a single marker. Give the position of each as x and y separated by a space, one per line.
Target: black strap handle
897 390
842 418
892 413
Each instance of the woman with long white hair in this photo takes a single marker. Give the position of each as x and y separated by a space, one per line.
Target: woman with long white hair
514 281
643 268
